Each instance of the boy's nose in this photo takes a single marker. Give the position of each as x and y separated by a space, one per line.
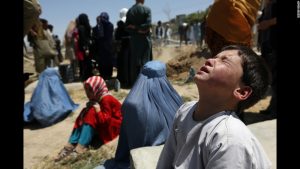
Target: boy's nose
209 62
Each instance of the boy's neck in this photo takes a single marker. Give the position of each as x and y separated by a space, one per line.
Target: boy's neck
205 109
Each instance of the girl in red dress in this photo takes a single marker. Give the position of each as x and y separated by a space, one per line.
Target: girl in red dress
101 116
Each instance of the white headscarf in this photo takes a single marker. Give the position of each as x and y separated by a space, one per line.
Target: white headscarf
123 13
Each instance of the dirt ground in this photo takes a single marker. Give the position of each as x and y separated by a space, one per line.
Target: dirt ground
42 144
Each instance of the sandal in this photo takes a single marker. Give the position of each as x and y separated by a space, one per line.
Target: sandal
74 154
63 153
79 149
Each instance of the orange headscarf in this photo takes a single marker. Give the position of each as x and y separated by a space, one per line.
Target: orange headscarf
233 19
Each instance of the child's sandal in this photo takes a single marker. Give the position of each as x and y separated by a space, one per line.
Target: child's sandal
63 153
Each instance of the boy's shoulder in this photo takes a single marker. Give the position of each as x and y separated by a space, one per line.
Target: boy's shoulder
228 126
221 125
233 135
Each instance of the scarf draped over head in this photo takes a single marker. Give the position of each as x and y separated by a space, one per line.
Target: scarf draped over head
104 17
98 86
233 19
123 13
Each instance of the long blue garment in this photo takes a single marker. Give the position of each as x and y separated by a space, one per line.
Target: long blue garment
50 101
148 111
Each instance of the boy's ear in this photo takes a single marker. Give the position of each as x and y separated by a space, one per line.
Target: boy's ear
242 93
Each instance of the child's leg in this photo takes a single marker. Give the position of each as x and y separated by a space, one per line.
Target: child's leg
86 135
74 138
85 139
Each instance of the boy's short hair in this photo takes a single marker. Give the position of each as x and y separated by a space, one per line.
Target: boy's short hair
256 74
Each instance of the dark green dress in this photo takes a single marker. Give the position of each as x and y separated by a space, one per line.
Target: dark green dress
140 43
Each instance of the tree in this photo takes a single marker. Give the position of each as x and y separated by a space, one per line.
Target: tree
197 16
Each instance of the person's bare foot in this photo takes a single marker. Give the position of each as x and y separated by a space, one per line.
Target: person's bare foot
80 149
70 146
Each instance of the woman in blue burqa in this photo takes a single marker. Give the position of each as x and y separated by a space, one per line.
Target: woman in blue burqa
148 113
50 101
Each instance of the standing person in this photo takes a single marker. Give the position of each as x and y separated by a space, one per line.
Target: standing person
202 33
84 37
207 134
32 11
124 62
58 48
78 53
102 116
69 43
49 35
168 33
226 16
102 35
182 29
268 30
159 33
191 33
148 113
34 37
138 24
43 45
197 33
57 43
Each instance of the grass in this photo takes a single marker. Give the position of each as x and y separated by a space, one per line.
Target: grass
87 160
186 98
84 161
119 95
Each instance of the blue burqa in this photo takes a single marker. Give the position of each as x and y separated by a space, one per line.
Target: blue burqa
148 113
50 101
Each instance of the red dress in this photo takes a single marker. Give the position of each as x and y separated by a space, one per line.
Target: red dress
78 53
107 122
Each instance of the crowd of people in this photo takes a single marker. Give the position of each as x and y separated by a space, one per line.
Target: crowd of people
207 133
97 48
